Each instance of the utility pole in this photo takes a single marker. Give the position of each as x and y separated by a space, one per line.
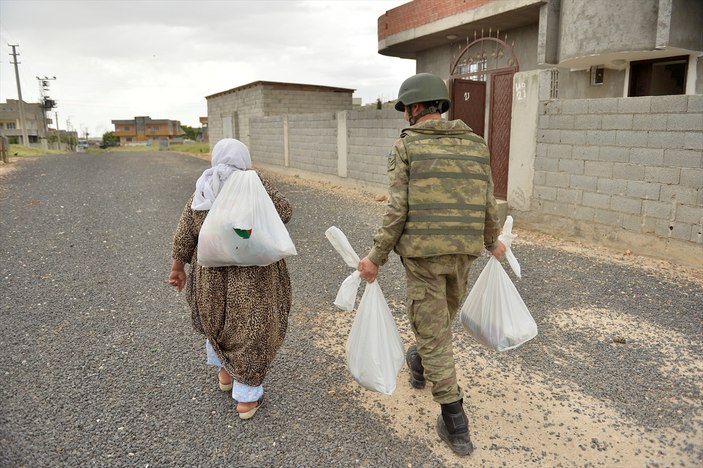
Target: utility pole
23 123
46 103
69 136
58 132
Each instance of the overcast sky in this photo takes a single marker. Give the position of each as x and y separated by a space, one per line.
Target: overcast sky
121 59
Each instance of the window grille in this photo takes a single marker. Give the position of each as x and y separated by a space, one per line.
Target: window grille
554 84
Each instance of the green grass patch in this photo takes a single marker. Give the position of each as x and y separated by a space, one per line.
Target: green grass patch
192 148
19 151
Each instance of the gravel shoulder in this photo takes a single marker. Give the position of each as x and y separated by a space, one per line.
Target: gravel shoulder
99 365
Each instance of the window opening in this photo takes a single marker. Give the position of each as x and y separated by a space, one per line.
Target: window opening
659 77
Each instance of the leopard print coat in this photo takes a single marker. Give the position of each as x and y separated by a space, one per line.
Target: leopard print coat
243 311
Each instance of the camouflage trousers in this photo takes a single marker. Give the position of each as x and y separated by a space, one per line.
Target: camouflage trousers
436 287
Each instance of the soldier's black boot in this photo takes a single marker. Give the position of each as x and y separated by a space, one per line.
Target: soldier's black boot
453 428
417 372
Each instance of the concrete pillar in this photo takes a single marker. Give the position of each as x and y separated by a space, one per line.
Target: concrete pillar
523 144
342 144
286 161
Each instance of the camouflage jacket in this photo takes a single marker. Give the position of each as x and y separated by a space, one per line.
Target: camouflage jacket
440 194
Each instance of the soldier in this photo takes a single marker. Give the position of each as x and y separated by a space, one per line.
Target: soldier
441 213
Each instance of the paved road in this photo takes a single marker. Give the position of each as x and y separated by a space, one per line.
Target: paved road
99 365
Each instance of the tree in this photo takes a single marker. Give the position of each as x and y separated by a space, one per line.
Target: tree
109 139
190 133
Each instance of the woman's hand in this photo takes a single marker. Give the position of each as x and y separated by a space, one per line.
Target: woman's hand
177 277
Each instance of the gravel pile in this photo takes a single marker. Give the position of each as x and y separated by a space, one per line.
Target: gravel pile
99 364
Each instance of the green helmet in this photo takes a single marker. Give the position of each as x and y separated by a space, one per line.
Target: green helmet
423 87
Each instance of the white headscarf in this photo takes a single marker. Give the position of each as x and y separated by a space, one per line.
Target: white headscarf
228 155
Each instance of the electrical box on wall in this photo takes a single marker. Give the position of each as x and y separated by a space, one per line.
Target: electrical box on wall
597 75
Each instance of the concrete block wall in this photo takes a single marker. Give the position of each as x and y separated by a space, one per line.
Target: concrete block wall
268 99
241 106
312 140
266 142
623 163
370 136
281 101
313 143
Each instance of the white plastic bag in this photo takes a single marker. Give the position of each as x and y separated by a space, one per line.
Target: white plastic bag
494 313
507 237
375 351
346 296
243 227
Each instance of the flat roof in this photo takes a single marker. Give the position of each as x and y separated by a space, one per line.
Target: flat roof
148 119
286 86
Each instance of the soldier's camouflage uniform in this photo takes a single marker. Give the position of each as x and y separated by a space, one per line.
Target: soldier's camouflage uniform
441 213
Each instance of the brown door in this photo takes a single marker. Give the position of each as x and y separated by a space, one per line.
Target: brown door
499 124
469 103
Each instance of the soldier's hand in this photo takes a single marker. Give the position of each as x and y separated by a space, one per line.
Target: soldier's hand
499 250
368 269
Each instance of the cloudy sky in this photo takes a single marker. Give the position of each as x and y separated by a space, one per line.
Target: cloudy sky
120 59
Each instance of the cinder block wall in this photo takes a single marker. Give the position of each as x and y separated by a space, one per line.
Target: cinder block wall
283 101
268 99
242 106
623 163
370 136
312 140
266 145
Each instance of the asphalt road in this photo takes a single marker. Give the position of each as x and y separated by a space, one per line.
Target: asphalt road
99 365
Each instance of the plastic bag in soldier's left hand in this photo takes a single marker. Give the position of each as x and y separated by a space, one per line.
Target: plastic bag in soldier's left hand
494 313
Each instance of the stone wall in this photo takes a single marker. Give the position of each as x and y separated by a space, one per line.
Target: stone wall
236 109
267 138
349 144
231 113
632 164
370 137
286 101
618 171
312 142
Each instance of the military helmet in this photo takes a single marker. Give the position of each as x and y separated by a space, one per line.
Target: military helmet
423 87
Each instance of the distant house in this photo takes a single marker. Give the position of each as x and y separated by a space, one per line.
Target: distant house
144 130
229 111
11 123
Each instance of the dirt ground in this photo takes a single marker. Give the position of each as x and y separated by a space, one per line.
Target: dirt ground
565 428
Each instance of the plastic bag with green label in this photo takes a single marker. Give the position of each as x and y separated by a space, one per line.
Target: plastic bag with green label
243 227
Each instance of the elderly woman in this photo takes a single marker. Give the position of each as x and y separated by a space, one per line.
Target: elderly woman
242 311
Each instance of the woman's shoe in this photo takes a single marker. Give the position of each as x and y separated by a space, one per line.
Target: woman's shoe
250 414
225 387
